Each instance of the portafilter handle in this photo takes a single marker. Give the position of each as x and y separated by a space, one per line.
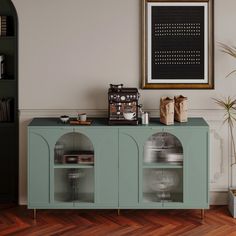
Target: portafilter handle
140 106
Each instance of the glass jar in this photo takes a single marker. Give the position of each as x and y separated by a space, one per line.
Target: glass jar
145 118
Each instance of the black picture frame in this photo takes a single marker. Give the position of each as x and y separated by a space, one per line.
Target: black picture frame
177 44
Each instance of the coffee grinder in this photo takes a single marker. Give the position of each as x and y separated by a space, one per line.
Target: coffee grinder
122 105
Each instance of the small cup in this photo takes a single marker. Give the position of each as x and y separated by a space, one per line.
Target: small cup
129 115
64 118
83 117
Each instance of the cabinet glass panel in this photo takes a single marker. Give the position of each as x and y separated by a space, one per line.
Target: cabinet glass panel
74 148
74 185
162 185
163 169
163 148
74 169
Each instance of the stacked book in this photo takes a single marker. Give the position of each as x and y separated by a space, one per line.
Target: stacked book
3 25
6 109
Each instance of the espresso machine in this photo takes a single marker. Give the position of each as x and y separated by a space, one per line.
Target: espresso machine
123 105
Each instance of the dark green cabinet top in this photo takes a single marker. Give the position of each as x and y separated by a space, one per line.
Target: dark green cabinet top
154 122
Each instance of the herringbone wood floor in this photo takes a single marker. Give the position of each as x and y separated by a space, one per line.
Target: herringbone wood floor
18 221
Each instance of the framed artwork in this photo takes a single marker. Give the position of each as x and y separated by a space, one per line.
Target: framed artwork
177 44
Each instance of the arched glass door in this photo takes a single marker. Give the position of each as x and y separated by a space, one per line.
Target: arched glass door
163 168
74 169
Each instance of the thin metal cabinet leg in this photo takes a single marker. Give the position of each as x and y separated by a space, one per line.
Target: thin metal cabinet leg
35 214
118 212
202 214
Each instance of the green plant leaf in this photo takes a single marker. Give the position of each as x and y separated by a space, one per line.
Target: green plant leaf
232 72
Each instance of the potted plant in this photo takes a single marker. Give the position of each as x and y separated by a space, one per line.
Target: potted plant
230 50
229 106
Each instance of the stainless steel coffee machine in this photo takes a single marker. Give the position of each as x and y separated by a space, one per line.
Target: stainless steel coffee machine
122 105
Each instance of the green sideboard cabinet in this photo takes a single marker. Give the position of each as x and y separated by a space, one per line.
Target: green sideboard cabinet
134 167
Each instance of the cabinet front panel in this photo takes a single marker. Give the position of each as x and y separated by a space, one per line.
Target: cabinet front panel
107 169
197 169
106 165
195 164
41 143
39 172
128 170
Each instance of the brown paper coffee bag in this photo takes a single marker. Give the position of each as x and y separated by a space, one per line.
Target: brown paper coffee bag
167 110
181 108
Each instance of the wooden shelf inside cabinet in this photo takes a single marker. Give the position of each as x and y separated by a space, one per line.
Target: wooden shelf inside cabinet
152 198
163 165
7 37
9 79
75 166
8 124
84 198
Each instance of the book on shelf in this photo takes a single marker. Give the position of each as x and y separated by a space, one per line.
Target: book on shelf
6 106
3 25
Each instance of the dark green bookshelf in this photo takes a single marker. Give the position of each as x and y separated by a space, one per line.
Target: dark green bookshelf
9 129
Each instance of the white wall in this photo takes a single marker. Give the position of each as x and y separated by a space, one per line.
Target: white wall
71 50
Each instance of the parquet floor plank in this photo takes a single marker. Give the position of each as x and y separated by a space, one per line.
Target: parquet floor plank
18 221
